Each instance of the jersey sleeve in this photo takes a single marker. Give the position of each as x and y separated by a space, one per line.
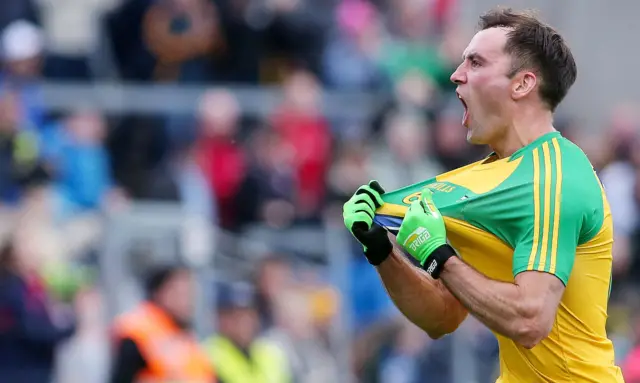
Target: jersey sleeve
548 243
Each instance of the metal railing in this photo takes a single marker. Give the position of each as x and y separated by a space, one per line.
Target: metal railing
120 98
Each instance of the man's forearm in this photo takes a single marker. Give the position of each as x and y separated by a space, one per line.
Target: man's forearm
424 301
499 305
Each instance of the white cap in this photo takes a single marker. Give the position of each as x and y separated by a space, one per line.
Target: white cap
21 40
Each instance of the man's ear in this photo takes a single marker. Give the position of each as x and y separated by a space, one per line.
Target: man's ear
523 84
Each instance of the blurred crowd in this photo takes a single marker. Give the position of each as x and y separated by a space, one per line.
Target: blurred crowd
61 173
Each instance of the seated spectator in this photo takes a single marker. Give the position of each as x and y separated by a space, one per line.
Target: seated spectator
22 52
72 29
350 58
220 156
300 123
193 190
80 164
408 47
82 186
268 190
139 146
407 159
20 165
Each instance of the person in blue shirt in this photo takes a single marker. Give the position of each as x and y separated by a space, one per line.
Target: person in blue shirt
80 164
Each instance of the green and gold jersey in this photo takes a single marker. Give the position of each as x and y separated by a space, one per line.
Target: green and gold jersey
542 209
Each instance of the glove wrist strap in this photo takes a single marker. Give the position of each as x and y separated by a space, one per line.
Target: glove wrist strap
436 260
377 255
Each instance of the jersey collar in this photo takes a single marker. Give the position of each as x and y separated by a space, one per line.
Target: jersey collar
534 144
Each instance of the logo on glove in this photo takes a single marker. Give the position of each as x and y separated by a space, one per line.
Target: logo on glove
417 238
432 267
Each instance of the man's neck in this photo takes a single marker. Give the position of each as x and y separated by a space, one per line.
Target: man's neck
527 128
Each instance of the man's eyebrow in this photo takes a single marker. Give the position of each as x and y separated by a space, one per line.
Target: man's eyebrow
473 56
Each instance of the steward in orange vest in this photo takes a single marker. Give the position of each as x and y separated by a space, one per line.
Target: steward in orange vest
154 342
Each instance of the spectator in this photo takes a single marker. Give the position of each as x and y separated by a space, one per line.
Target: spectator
300 123
350 59
619 179
193 189
274 277
20 164
295 35
443 14
82 185
268 190
139 148
124 28
22 46
23 49
240 356
348 171
296 333
81 165
165 318
403 361
407 159
413 94
31 325
220 156
84 358
72 31
409 50
412 357
449 142
239 61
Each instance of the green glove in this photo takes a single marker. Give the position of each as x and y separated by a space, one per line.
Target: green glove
358 215
423 234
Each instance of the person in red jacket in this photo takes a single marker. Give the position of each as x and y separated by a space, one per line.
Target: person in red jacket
302 126
219 155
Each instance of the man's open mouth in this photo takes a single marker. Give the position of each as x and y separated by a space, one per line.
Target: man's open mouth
465 117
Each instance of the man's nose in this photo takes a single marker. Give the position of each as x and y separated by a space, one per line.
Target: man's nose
458 76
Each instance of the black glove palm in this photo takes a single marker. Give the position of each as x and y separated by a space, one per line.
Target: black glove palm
358 215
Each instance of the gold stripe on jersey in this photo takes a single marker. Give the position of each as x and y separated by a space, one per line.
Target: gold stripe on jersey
536 207
558 199
547 206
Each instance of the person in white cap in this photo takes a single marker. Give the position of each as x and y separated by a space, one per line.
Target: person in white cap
22 46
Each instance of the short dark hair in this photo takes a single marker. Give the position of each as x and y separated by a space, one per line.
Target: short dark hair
535 46
158 276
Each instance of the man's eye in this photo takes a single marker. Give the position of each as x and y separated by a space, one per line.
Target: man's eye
475 63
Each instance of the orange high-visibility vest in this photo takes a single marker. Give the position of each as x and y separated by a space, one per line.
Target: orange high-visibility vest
171 353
